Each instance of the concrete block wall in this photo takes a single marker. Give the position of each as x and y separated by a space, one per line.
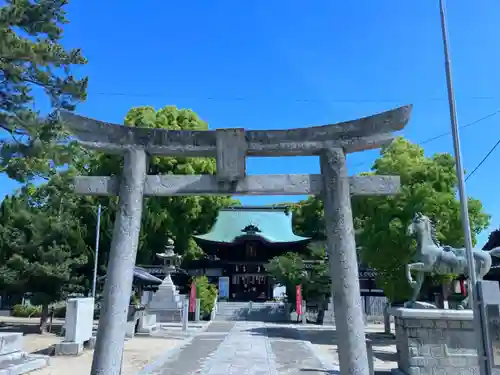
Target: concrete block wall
433 342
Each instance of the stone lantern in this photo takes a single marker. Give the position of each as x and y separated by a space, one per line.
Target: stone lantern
171 261
166 303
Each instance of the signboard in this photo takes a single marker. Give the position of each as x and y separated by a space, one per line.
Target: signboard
494 337
298 299
247 268
192 298
224 286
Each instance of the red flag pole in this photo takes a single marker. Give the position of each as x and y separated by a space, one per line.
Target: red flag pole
192 298
298 299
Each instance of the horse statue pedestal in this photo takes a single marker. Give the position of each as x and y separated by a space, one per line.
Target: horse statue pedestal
420 305
435 341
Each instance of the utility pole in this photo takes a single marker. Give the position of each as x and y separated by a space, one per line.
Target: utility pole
96 256
479 324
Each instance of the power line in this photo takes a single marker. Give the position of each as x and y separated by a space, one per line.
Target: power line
431 139
462 127
483 160
295 100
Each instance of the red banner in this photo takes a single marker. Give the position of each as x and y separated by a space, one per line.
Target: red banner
298 299
463 290
192 298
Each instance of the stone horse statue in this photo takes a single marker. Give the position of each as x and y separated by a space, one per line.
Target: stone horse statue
441 260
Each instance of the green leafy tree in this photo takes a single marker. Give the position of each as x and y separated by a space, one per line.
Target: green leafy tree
206 292
317 287
33 60
308 270
163 217
288 270
428 185
308 218
41 248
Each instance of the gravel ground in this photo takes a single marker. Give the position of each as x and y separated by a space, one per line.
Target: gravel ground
138 352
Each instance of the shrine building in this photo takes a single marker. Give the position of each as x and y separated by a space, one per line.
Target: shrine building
237 248
239 245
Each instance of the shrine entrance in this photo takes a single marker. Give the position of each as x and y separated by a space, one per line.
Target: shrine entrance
241 242
250 287
231 147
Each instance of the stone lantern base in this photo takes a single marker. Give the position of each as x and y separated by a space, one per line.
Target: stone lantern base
166 303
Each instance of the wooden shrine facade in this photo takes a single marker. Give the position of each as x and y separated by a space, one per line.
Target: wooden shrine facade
240 244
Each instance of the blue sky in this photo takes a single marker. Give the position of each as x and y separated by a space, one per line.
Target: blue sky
283 64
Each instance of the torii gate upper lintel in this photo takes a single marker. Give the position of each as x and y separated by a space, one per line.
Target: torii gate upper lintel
231 147
352 136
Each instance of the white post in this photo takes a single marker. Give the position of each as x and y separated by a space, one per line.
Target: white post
304 317
96 255
197 311
387 319
185 313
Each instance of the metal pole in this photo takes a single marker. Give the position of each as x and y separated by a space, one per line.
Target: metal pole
478 323
96 257
458 157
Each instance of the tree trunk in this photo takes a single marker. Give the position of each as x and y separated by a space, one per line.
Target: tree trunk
323 305
44 319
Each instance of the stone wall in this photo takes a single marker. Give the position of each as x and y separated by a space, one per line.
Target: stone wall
433 342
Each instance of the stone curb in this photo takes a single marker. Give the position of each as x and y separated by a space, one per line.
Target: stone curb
152 368
332 369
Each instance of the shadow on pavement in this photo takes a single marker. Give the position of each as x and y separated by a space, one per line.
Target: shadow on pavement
321 336
335 372
329 336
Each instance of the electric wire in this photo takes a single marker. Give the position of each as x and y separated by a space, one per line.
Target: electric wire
428 140
483 160
293 100
431 139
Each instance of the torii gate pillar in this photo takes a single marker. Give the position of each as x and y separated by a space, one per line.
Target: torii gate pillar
341 248
121 264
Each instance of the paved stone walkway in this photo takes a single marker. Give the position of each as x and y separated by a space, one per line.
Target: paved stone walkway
245 348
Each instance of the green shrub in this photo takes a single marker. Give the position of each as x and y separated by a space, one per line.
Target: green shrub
60 311
26 311
206 292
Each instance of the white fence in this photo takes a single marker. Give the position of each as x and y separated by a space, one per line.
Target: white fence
373 305
373 308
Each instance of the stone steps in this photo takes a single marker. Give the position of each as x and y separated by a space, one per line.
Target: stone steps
24 365
257 311
167 316
13 360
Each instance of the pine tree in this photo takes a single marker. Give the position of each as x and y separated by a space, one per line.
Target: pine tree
42 247
32 60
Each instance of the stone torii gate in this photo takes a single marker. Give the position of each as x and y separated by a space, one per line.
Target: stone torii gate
230 147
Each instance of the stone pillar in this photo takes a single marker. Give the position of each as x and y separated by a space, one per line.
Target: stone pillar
111 331
185 313
341 249
387 319
197 311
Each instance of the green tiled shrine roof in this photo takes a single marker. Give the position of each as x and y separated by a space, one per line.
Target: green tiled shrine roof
271 224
